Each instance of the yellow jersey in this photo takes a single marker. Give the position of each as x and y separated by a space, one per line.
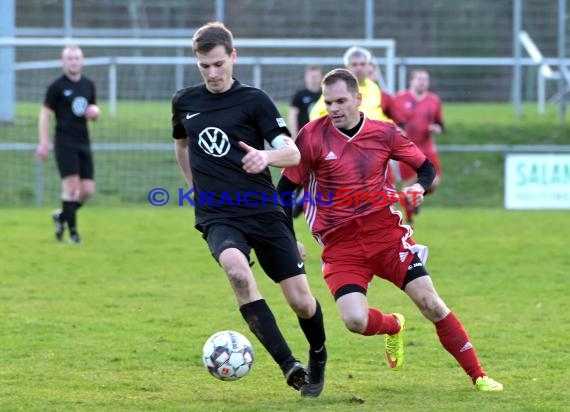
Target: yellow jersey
371 104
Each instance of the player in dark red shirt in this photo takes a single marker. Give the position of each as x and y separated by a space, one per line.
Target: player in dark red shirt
418 112
354 166
344 157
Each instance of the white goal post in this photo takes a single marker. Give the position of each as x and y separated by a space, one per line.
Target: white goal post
282 53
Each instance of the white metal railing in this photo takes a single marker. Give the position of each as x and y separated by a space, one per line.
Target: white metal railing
443 148
166 147
258 62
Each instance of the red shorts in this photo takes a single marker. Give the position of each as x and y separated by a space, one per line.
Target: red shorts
375 244
407 173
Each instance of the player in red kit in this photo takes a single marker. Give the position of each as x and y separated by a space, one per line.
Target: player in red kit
418 112
350 152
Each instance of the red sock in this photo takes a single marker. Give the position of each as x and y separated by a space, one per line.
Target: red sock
455 340
380 324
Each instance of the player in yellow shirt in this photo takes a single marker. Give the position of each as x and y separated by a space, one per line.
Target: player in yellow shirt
357 60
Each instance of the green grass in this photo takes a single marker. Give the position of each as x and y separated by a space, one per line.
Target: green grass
118 322
493 123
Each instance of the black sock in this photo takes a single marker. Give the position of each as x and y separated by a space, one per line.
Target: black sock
262 323
61 213
69 215
314 330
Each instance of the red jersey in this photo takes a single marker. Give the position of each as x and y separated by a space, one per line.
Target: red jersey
415 116
344 177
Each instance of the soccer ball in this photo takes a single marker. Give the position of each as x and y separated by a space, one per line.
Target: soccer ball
228 355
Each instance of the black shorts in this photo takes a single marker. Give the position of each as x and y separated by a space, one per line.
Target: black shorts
268 234
75 161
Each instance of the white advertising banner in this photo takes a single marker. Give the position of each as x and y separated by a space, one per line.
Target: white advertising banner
537 181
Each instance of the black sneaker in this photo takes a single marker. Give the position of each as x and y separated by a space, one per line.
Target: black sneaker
58 225
74 238
296 376
316 373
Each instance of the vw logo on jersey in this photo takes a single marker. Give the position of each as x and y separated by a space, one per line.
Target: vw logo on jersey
78 106
214 142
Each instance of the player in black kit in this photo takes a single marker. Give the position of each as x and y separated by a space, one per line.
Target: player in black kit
304 99
301 104
220 127
72 99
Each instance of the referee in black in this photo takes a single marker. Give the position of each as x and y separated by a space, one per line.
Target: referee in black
220 127
71 98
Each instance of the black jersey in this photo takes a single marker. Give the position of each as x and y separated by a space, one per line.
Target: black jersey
214 125
304 100
68 100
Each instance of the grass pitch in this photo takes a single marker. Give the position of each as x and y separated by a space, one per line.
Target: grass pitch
118 322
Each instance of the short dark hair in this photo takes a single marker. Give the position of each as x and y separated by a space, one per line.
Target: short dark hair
212 35
344 75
